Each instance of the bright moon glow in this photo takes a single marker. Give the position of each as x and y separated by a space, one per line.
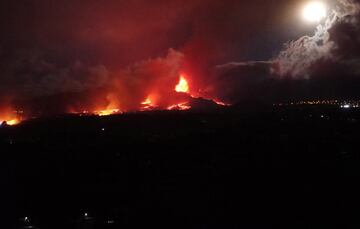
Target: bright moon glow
314 11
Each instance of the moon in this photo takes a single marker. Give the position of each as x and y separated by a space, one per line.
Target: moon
314 11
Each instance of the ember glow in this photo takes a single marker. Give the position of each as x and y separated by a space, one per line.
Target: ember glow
183 85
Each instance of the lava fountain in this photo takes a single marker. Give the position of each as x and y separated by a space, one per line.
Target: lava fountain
183 85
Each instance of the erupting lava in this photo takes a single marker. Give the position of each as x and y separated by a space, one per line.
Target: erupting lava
181 106
147 101
147 104
9 119
107 112
10 122
183 85
159 101
172 97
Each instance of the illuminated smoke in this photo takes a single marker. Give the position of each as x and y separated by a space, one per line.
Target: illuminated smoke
153 79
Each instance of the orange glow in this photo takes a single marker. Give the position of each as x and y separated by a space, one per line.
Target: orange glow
11 118
107 112
13 122
147 104
180 106
181 94
182 86
147 101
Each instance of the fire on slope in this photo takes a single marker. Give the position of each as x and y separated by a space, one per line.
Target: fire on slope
174 94
160 98
10 118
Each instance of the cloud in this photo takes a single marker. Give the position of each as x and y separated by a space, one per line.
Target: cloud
31 74
153 77
325 65
84 47
330 43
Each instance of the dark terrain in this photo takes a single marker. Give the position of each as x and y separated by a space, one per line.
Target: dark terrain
295 167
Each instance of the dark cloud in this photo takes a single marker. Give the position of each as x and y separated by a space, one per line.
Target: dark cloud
32 75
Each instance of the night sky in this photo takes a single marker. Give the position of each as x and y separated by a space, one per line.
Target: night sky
231 50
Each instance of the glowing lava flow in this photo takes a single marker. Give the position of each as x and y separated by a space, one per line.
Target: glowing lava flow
147 104
182 86
107 112
180 96
13 122
9 120
147 101
181 106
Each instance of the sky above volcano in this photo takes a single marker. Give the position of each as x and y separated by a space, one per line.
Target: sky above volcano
48 47
121 32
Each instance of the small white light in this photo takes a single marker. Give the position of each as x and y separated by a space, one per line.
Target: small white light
85 214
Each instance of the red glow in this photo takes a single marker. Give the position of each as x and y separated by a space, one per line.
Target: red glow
161 95
160 98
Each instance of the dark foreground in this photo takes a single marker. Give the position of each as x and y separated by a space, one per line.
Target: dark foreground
225 169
